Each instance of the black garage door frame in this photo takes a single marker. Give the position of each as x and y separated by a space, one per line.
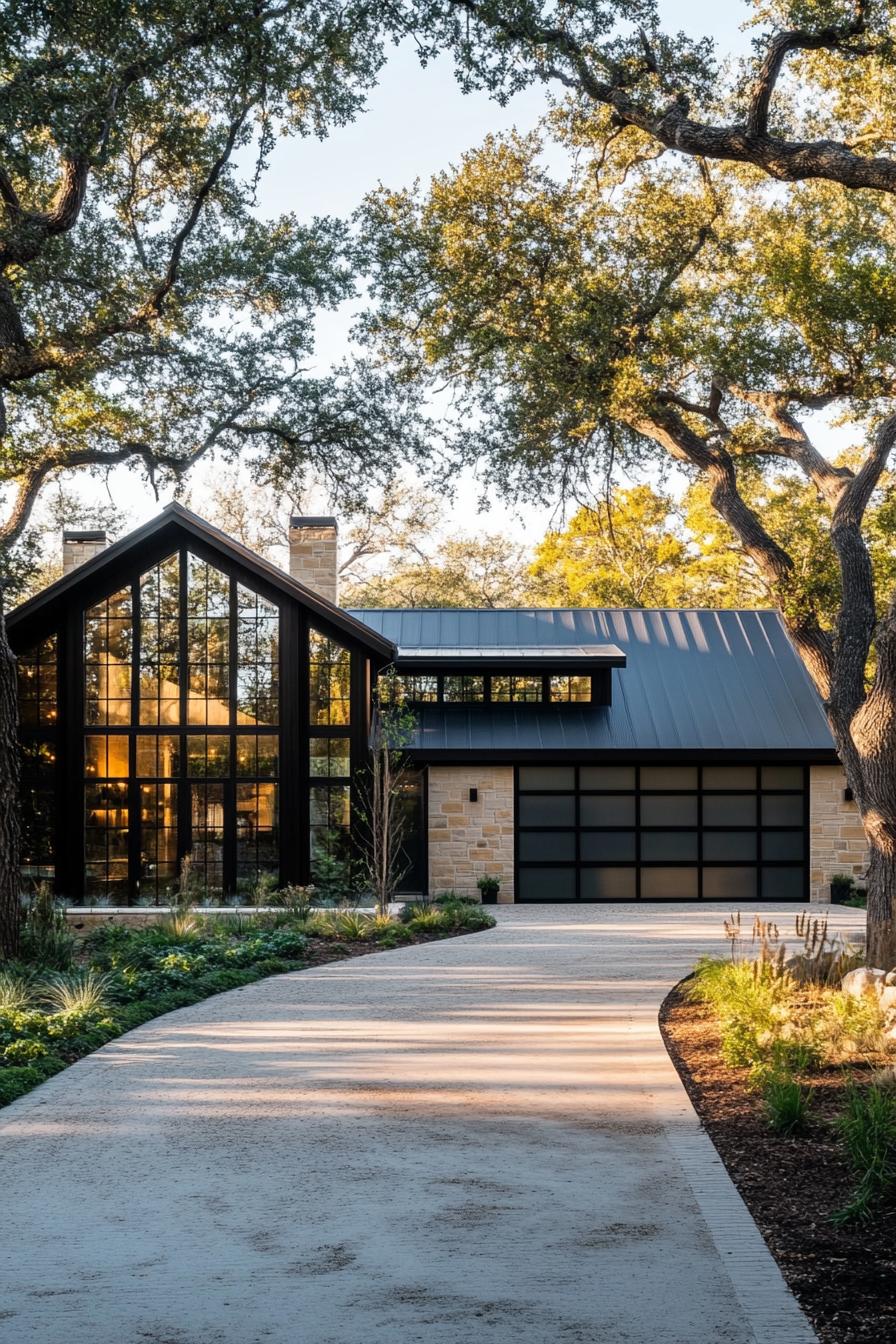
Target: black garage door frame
740 830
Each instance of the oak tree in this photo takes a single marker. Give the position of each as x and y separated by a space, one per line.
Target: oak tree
148 313
643 307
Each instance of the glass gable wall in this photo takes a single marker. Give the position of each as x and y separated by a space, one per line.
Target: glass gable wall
181 674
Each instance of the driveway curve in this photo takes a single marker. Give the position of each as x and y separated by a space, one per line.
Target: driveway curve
478 1139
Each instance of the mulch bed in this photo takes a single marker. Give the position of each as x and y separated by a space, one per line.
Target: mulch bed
844 1278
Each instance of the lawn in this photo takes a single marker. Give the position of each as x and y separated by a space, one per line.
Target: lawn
66 996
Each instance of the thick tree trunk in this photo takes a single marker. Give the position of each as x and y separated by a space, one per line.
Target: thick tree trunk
10 900
868 752
882 909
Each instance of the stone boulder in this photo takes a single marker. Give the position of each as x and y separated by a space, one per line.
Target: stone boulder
863 980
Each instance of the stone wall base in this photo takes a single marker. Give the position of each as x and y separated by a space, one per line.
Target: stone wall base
467 839
836 839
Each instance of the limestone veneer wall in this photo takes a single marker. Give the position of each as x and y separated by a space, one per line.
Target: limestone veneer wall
468 840
836 839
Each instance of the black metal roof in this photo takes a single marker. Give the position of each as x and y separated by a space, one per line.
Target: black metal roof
694 681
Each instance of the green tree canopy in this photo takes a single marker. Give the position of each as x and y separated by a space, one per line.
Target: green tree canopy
641 309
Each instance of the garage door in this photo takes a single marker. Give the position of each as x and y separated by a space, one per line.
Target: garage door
658 832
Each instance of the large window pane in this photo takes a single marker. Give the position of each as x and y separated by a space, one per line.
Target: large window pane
729 777
37 673
546 884
106 836
37 793
669 884
729 884
330 680
258 659
668 776
547 846
782 777
329 836
106 756
517 690
158 840
329 756
546 810
545 778
609 810
669 846
668 810
160 643
608 884
108 641
607 777
573 690
465 690
720 846
158 755
783 844
607 846
256 755
257 846
208 644
783 884
736 809
208 756
207 854
782 809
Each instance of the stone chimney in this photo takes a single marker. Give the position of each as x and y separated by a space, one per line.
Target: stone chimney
80 546
313 555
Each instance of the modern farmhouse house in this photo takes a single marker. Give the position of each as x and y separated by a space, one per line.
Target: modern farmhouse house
182 696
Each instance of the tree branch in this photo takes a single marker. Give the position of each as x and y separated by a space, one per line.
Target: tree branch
784 160
666 427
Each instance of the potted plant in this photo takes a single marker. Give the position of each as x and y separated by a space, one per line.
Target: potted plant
489 887
842 888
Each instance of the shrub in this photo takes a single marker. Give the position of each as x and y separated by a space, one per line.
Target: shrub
752 1001
787 1103
16 1081
412 909
46 939
24 1051
297 900
868 1130
848 1026
16 991
466 915
84 992
429 921
454 898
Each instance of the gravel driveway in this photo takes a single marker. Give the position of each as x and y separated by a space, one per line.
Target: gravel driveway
475 1140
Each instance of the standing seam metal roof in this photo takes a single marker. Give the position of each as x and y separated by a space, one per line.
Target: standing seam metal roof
698 680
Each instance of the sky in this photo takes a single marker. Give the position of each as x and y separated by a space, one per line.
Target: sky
417 122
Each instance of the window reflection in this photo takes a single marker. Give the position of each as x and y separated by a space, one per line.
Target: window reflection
108 644
37 685
160 643
330 680
208 644
258 659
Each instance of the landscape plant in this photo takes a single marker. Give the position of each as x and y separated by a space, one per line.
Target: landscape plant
868 1129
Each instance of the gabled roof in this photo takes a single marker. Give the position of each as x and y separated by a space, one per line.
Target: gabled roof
175 517
721 681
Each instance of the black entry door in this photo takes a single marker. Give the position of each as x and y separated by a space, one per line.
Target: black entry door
661 832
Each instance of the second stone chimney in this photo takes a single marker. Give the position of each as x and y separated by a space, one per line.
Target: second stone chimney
313 556
80 546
